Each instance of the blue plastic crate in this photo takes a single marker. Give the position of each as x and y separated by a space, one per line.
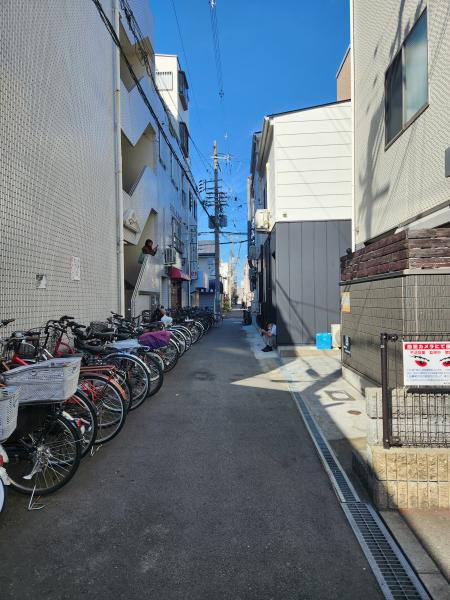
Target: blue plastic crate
323 341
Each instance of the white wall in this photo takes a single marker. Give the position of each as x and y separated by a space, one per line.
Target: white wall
397 184
166 63
312 156
57 186
157 195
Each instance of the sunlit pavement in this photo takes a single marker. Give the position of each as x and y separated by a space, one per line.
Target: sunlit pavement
213 490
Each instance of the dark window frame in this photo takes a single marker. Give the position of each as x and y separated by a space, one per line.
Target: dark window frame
422 109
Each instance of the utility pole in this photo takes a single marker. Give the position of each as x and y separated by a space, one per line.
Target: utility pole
217 211
230 271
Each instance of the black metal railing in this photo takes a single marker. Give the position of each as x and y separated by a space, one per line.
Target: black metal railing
415 405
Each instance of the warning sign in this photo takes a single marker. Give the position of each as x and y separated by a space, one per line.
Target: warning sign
426 363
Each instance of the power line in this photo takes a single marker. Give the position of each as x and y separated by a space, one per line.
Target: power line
142 55
216 45
202 156
143 58
110 28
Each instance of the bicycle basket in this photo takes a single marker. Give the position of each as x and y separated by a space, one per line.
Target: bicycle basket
99 327
9 404
48 381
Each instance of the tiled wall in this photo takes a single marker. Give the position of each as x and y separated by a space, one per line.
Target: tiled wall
57 189
396 184
405 304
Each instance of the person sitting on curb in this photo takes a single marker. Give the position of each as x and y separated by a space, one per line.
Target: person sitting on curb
270 333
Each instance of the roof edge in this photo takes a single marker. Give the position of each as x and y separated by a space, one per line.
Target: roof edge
288 112
343 61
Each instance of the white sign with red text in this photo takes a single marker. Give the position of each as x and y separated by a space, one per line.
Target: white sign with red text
426 363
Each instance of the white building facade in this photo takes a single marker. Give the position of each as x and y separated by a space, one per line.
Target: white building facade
160 198
59 199
398 280
300 206
88 170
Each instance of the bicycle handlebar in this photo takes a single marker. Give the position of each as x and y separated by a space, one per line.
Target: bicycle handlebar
5 322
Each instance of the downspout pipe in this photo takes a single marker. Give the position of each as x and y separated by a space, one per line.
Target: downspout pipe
118 164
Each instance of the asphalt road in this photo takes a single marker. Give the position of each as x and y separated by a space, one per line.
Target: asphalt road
212 491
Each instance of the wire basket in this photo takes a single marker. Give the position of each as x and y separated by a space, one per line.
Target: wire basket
9 405
48 381
99 327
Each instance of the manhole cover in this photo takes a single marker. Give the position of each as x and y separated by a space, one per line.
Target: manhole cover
354 412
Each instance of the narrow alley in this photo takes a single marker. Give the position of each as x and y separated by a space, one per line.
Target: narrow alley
213 491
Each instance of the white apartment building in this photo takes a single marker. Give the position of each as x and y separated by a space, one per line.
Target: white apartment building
59 199
159 190
88 171
401 110
300 206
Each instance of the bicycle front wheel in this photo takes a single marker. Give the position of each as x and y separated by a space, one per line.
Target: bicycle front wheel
83 410
136 374
111 405
45 459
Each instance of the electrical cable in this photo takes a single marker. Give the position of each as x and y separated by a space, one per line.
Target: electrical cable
143 58
142 55
110 28
202 156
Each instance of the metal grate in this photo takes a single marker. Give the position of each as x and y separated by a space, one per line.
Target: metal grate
393 572
342 485
420 418
417 416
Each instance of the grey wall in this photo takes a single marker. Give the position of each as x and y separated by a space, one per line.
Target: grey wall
306 277
405 304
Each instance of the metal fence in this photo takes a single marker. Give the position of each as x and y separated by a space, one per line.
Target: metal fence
415 413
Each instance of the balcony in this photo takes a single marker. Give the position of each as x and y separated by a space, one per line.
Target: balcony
183 89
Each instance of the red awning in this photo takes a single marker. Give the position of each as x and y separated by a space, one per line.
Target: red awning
175 273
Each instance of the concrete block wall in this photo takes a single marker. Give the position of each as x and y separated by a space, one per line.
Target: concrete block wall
404 477
409 477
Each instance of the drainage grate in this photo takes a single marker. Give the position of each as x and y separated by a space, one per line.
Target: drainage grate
393 572
342 485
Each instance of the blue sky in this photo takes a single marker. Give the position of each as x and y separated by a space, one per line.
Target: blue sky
276 56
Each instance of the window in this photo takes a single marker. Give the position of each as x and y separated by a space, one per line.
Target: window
406 81
163 151
177 241
184 139
183 89
164 80
174 171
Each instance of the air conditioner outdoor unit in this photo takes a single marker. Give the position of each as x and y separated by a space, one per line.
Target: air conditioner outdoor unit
262 219
170 256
